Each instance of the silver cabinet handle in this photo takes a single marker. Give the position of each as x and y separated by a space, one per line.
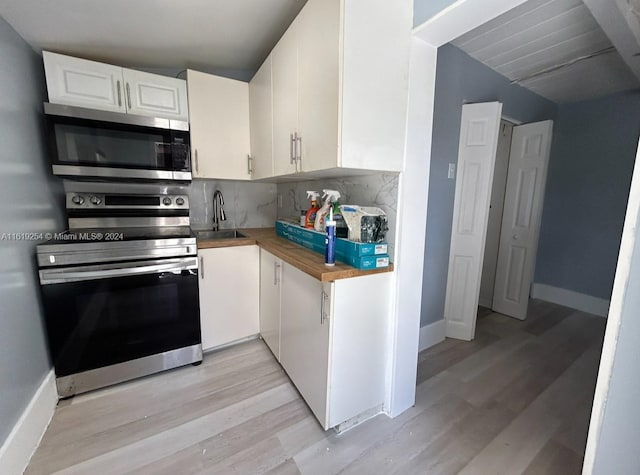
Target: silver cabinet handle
129 95
323 304
197 167
292 158
299 150
201 267
276 269
119 96
249 165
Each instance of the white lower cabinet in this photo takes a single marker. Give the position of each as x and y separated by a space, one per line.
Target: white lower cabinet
228 285
332 337
304 339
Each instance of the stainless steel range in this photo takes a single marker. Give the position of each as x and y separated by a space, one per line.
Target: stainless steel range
120 288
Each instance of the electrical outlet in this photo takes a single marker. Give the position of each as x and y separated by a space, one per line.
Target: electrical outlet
451 173
279 200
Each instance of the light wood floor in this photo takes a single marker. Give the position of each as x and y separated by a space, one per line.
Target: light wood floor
515 400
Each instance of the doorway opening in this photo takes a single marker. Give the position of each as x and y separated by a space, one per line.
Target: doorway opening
496 208
523 153
583 177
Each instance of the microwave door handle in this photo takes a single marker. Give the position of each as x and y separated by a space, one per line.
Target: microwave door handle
72 275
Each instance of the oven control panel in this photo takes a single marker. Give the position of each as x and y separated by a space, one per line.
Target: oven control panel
113 201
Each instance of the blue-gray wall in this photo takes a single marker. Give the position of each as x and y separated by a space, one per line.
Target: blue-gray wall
30 202
425 9
460 79
592 157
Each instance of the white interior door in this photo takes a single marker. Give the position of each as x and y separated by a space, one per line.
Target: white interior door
526 179
479 129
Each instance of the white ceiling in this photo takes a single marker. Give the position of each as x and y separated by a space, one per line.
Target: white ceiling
530 42
201 34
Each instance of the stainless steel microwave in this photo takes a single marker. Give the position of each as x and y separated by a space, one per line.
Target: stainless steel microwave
88 143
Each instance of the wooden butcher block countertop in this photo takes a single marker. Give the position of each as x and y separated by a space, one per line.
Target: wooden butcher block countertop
307 261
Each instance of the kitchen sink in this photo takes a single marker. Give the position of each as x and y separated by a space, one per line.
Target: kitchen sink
222 234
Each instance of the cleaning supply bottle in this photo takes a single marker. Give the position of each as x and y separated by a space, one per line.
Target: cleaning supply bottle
330 240
310 218
330 197
342 230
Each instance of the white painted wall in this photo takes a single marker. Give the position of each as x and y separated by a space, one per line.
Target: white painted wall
614 431
410 232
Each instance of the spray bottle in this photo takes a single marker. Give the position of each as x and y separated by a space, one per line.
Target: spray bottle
330 197
310 218
330 240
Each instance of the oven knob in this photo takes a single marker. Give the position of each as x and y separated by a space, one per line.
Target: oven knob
95 200
77 199
166 201
179 201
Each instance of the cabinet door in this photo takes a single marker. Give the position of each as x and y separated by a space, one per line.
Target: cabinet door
79 82
304 341
285 100
318 84
270 277
229 290
261 121
220 139
156 96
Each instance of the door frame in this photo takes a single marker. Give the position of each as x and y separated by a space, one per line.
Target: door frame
512 124
404 326
450 332
452 22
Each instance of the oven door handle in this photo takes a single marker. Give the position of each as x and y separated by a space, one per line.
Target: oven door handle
60 276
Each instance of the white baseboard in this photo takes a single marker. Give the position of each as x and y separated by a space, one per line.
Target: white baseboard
571 299
432 334
25 436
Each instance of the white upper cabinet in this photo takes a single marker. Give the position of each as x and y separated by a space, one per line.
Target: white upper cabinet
318 85
156 96
220 138
80 82
261 121
305 91
375 49
285 101
340 88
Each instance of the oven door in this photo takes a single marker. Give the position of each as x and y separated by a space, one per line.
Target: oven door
96 149
102 315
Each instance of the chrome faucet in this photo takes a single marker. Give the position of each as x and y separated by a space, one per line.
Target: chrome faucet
218 210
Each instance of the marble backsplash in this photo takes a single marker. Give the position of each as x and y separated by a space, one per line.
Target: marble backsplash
379 190
246 204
